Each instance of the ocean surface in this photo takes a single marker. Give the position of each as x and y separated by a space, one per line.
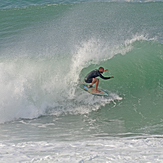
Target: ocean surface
47 47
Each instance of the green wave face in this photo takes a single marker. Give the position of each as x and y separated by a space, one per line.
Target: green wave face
139 81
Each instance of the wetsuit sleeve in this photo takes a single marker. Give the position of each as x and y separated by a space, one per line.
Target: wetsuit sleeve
103 77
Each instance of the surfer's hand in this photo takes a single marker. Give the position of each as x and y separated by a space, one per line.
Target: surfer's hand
106 70
112 77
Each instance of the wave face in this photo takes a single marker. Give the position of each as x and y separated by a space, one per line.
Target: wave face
45 50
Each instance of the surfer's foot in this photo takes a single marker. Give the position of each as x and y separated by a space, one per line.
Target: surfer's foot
90 86
97 91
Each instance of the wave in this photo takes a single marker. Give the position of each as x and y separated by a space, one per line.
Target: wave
45 52
43 85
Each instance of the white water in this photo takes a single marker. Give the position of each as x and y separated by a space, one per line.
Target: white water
133 149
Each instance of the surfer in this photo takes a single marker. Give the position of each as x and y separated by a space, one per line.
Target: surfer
91 78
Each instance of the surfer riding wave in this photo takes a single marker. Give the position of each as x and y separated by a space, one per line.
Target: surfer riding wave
91 78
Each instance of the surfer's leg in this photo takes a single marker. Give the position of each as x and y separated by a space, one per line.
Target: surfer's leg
92 82
96 85
96 82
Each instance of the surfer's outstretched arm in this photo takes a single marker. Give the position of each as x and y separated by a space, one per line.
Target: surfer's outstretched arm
105 77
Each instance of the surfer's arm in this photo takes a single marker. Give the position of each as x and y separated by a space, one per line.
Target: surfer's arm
105 78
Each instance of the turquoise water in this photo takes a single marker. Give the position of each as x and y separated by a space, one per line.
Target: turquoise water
47 48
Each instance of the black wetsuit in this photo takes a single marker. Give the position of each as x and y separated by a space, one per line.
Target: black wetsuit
93 74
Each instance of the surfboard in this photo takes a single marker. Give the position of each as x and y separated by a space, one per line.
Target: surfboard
92 91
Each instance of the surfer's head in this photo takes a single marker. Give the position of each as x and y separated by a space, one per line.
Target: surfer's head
101 69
